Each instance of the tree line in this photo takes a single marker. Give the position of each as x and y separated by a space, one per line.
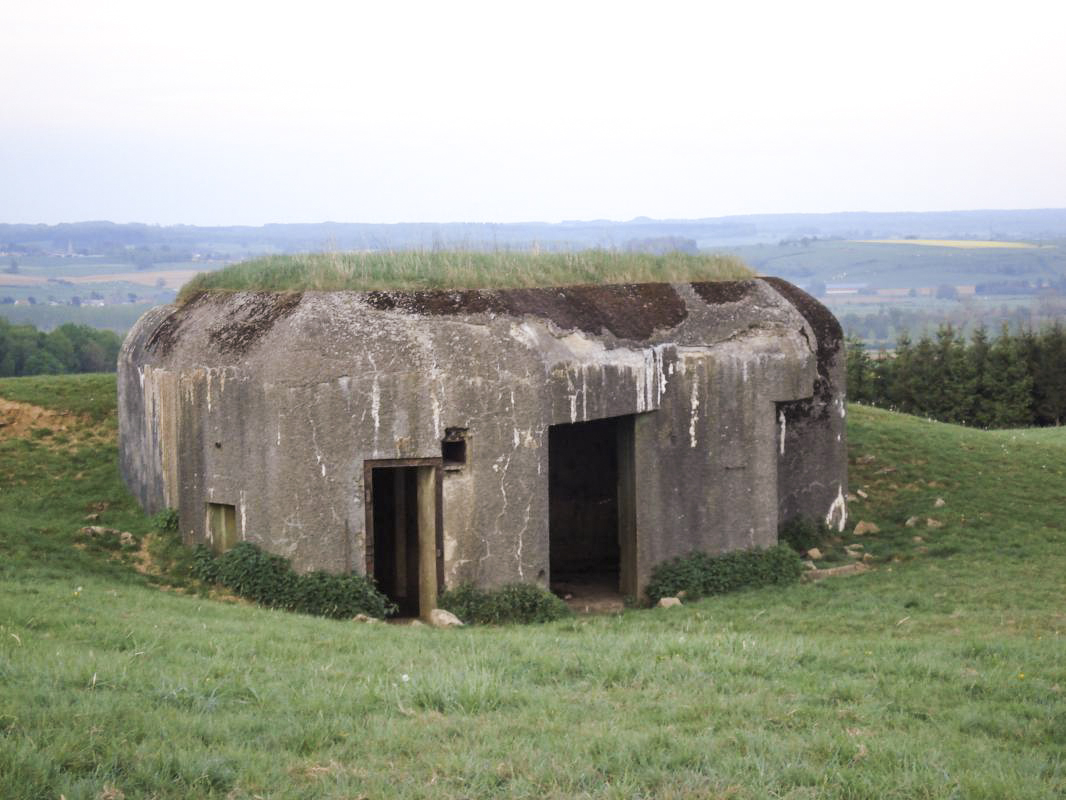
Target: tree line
24 350
1009 381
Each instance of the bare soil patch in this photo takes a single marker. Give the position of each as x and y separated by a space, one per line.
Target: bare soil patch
590 597
17 420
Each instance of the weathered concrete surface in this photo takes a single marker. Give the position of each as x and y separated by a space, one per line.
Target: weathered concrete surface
274 402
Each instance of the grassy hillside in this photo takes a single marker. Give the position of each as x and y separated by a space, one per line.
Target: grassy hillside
415 269
939 674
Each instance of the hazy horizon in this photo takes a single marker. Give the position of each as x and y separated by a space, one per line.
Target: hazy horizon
250 114
589 221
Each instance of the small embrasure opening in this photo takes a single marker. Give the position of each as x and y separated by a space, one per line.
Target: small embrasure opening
221 526
453 448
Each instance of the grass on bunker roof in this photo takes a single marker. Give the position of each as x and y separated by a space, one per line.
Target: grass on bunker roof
456 269
939 674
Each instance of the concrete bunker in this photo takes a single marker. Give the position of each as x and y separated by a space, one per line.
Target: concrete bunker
569 436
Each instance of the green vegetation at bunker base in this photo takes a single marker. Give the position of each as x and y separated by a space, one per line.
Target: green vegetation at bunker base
938 674
455 269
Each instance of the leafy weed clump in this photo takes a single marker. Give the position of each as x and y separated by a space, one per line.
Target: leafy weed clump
700 574
166 521
514 603
802 533
270 581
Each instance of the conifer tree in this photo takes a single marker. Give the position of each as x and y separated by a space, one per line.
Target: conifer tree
882 379
1027 348
924 393
1049 377
901 396
951 388
859 371
1010 382
982 412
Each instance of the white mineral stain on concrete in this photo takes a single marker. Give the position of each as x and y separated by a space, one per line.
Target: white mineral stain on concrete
837 509
436 416
375 404
521 535
314 441
584 394
694 403
781 419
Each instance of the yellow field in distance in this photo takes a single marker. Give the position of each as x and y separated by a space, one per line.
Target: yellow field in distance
969 244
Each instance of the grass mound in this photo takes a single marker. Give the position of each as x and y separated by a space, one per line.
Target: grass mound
454 269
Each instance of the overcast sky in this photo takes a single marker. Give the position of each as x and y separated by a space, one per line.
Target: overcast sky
244 113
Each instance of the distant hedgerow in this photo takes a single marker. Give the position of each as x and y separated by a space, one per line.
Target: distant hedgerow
700 574
514 603
270 581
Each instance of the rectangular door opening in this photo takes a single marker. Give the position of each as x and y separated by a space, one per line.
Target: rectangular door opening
221 527
591 512
403 532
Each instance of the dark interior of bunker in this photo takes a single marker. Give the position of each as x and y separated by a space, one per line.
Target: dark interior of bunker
585 508
395 553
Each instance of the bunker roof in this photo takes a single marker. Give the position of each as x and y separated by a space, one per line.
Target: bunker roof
461 270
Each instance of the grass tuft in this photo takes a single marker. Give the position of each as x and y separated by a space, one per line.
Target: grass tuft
455 269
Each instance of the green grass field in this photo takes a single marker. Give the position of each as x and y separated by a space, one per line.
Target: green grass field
456 269
939 674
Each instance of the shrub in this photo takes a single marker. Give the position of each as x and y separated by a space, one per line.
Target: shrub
269 580
700 574
204 564
802 533
166 521
516 602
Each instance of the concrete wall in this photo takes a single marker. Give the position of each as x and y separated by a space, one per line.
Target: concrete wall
273 403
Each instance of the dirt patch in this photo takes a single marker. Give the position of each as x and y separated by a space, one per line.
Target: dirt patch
715 293
18 420
590 597
142 560
627 311
836 572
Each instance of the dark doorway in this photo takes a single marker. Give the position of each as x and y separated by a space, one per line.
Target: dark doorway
402 533
590 510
